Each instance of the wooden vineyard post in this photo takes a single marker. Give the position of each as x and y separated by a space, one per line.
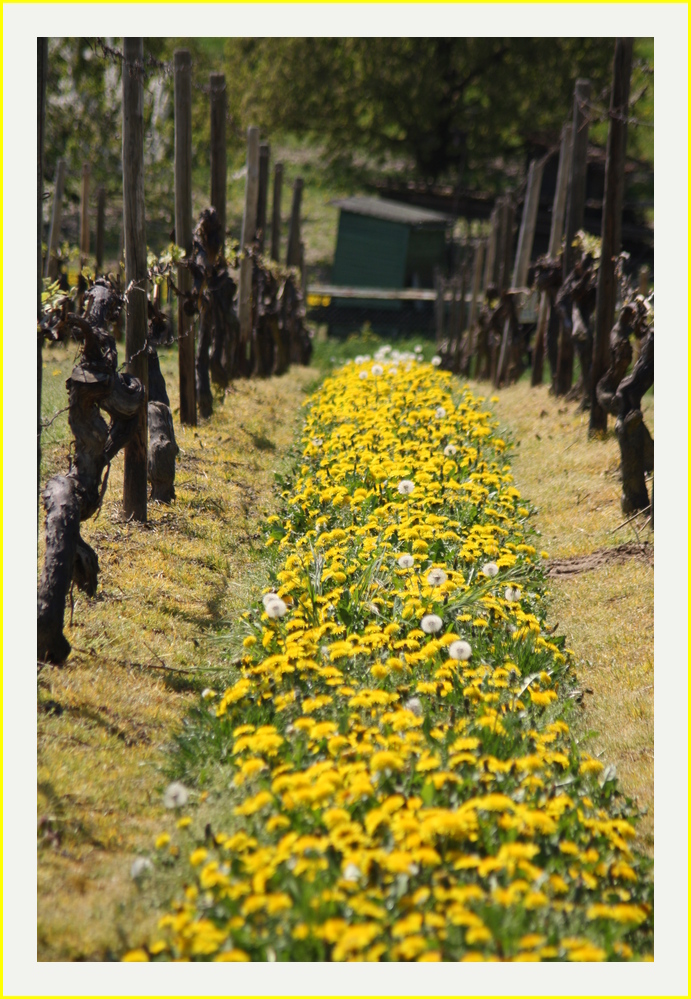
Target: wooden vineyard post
51 268
42 72
491 254
478 261
100 228
555 234
135 484
262 194
439 307
574 221
611 224
219 170
276 216
524 249
249 232
293 254
84 214
183 230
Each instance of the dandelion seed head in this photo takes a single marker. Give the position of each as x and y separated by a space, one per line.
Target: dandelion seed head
414 704
364 374
406 561
405 487
436 361
208 693
268 597
450 450
317 441
440 412
275 608
417 348
140 866
377 369
490 569
512 594
460 650
176 795
431 624
435 577
352 873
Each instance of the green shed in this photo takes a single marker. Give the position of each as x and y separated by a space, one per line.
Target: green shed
386 244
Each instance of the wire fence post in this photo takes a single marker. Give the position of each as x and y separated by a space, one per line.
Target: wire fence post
219 170
249 231
276 216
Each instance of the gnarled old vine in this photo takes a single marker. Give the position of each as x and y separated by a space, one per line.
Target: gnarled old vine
94 385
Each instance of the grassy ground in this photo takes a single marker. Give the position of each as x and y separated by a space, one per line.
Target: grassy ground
143 648
607 613
162 628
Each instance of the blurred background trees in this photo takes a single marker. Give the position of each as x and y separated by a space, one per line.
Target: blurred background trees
464 111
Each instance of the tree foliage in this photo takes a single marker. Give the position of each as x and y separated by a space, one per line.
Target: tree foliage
445 106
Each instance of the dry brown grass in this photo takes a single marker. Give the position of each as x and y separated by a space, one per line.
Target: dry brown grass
606 614
169 592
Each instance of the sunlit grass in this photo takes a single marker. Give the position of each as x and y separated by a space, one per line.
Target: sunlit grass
142 646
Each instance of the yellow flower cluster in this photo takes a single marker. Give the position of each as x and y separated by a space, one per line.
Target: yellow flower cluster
407 787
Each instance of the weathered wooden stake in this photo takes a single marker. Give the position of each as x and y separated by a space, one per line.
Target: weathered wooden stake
477 282
293 255
555 234
611 223
491 254
100 228
219 169
135 473
262 194
524 249
574 221
276 216
249 232
84 213
183 229
42 64
51 269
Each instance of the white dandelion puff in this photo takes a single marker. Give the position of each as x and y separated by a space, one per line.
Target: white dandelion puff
352 873
317 441
435 362
393 371
460 650
414 704
377 369
364 374
140 866
268 597
512 594
175 795
417 348
435 577
275 608
440 412
490 569
208 693
405 487
406 561
450 450
431 624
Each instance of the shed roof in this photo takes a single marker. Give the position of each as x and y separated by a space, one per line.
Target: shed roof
393 211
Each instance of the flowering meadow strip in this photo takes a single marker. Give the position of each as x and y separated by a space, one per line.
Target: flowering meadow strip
407 787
